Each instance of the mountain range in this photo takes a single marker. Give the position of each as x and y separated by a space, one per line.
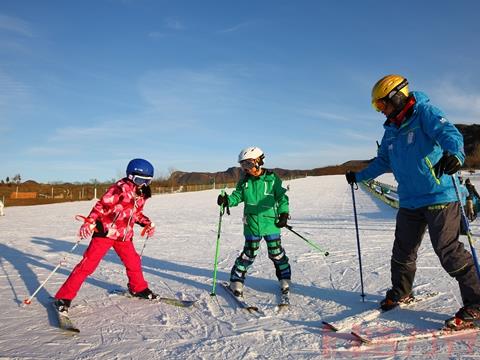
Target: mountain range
471 135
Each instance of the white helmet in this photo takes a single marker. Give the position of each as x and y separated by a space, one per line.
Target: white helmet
251 152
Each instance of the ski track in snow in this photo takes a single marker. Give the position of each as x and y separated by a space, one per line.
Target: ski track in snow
178 262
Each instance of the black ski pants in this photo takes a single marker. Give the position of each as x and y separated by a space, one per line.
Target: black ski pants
443 223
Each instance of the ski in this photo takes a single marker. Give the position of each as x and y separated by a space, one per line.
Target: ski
369 315
414 336
64 322
165 300
240 300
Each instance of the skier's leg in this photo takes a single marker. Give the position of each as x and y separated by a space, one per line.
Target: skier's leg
276 253
444 229
409 232
96 250
246 258
133 265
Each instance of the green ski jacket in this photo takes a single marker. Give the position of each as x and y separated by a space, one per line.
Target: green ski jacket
264 199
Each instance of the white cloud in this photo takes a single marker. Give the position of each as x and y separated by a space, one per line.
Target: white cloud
186 93
236 27
460 104
326 116
156 35
174 24
102 131
15 25
357 135
14 95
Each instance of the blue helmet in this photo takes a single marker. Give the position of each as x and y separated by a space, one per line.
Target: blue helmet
140 171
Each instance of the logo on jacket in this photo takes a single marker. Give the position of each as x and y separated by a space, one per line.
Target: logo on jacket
410 137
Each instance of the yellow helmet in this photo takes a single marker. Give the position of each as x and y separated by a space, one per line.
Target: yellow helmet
386 88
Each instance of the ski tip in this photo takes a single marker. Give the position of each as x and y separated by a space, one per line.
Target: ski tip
328 326
73 330
360 338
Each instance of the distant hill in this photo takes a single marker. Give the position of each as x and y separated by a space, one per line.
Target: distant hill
471 139
233 174
471 135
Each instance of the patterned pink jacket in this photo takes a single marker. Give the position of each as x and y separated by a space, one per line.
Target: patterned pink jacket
118 210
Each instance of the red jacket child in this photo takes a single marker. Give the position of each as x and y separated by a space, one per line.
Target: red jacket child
110 223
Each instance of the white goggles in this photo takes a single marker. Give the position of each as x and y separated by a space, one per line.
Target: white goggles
140 180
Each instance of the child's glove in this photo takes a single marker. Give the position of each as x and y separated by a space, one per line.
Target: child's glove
222 200
87 228
282 220
149 230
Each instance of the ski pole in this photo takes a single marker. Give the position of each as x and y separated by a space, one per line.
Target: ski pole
143 247
217 246
358 242
142 234
467 227
28 301
309 242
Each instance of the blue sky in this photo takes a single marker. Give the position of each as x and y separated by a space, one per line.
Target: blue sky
85 86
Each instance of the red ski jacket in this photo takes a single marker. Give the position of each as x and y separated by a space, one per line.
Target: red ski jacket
118 210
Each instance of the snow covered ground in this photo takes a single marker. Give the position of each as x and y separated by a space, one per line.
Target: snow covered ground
178 262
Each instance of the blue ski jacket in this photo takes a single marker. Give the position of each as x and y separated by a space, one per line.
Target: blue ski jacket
412 150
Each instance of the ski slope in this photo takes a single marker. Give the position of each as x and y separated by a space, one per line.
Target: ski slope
178 262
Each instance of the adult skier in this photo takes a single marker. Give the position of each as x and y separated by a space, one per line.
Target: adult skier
422 149
265 213
110 224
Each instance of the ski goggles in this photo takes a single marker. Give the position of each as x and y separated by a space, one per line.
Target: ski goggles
140 180
379 104
248 164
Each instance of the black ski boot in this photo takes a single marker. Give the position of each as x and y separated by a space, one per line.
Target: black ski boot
62 305
390 302
465 318
144 294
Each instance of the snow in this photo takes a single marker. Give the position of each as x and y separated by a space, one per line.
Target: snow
178 262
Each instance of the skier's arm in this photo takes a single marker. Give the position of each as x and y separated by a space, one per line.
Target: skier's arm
236 197
142 219
107 202
280 196
443 132
377 167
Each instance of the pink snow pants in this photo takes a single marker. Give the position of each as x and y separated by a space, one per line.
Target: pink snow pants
96 250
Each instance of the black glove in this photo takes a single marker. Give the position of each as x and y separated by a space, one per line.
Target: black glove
448 164
282 220
351 178
222 200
